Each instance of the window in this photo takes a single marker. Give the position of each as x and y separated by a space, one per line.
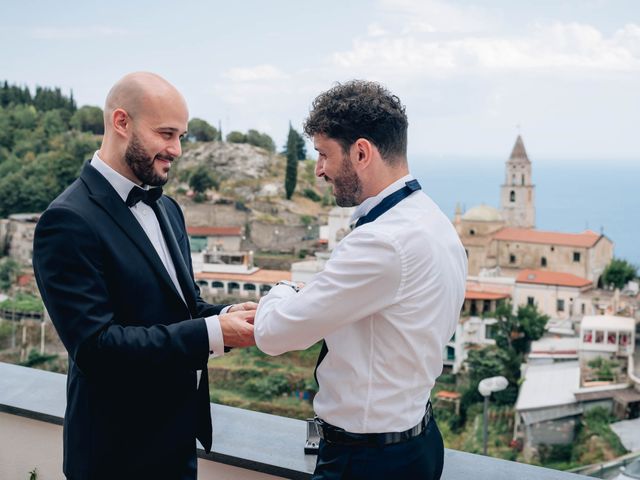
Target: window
490 332
611 338
198 244
576 257
543 262
451 353
472 232
512 258
512 196
486 306
623 340
583 308
522 183
587 337
560 305
553 249
599 336
217 285
531 301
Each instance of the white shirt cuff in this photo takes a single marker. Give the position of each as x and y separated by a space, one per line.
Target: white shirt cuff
214 331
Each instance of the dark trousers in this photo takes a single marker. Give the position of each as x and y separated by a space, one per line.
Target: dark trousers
185 469
421 458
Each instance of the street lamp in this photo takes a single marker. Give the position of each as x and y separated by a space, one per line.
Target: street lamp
486 387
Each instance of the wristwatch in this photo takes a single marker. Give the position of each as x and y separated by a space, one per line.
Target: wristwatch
288 284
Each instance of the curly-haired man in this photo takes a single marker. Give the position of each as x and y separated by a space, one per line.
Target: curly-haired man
386 303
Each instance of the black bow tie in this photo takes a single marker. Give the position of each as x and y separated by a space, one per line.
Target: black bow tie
149 196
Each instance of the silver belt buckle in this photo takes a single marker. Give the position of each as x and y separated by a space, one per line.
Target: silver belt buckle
314 433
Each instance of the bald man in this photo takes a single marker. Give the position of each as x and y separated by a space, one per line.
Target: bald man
112 262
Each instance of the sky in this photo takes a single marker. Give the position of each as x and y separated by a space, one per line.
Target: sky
473 74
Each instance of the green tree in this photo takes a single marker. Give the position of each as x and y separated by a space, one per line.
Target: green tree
517 331
201 131
88 119
202 180
236 137
261 140
618 273
291 153
9 270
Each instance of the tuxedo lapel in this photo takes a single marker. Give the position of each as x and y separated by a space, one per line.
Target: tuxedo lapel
103 194
184 276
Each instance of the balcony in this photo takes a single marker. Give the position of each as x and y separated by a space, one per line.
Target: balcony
246 445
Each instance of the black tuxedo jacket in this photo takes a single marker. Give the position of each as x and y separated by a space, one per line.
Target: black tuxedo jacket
133 408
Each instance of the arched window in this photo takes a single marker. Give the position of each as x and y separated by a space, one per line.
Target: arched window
512 196
203 283
217 285
249 286
233 286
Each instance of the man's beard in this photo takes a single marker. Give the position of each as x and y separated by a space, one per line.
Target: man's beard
141 164
347 187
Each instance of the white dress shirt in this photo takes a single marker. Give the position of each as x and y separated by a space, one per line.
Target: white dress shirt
386 303
146 217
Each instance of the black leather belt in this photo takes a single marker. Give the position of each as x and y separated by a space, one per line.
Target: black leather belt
336 435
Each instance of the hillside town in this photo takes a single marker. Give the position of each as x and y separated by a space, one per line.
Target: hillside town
586 356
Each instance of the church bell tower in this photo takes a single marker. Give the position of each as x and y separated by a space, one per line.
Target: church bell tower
517 194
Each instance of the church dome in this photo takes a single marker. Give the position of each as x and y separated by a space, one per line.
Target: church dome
483 213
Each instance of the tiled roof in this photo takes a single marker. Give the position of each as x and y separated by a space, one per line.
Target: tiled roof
479 295
585 239
518 152
541 277
259 276
215 231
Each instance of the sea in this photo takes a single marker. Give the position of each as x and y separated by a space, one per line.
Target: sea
570 196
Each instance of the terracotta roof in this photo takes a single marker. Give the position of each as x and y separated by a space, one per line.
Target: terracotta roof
215 231
448 395
541 277
585 239
259 276
518 152
479 295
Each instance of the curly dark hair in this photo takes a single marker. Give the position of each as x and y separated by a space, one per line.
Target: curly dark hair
361 109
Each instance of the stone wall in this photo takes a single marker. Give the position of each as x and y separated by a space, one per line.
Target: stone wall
208 215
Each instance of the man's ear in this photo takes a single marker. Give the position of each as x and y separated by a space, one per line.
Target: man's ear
121 122
363 152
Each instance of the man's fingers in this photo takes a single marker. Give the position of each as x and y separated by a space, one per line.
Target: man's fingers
246 306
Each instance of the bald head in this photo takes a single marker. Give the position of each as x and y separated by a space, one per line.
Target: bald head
144 119
139 93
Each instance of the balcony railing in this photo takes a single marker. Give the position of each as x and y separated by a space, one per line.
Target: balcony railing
246 444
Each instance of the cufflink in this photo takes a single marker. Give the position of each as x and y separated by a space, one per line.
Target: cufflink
288 284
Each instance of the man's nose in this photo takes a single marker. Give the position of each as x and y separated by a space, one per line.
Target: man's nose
175 148
319 168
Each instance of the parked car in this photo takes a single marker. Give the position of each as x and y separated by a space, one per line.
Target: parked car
630 472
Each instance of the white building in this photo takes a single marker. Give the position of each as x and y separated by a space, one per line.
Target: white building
607 335
558 295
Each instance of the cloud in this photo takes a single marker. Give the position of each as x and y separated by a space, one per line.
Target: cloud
74 33
255 74
433 16
542 48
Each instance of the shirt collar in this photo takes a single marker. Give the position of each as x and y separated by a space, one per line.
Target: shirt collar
121 184
367 205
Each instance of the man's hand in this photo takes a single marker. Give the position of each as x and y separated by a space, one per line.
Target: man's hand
237 327
243 307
